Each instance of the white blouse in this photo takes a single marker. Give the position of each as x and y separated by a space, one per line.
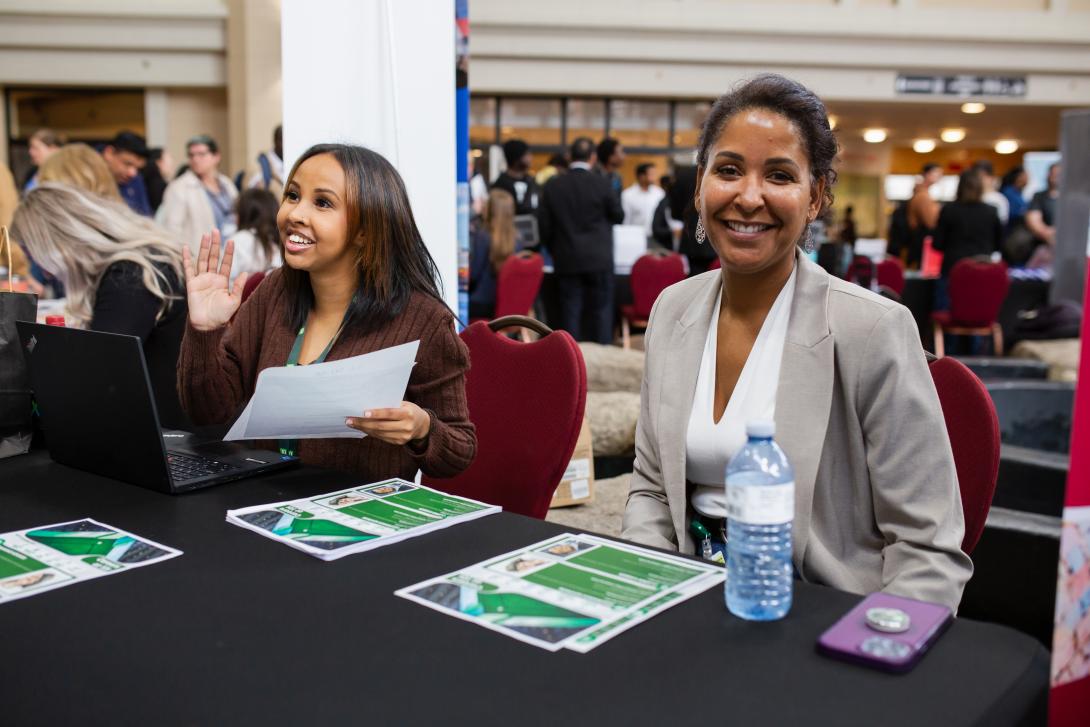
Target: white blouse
710 445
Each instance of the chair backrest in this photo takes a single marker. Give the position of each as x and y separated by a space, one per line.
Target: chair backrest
891 273
527 401
977 290
651 274
973 427
861 271
251 284
518 284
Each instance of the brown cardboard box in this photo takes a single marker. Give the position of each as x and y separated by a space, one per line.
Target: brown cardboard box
577 486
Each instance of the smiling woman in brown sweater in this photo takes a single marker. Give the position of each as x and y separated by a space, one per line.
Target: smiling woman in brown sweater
357 278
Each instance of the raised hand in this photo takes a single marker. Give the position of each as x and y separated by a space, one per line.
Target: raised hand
211 297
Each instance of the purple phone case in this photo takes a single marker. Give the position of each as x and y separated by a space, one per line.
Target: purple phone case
845 638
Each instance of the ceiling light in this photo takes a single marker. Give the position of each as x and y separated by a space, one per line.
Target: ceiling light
874 136
952 136
833 121
923 146
1006 146
973 107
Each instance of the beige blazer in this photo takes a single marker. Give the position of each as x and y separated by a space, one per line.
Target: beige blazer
877 505
186 211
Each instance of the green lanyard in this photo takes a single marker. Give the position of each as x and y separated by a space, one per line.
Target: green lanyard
290 447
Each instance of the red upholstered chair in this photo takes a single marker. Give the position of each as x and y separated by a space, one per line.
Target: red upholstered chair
517 286
651 274
977 290
527 400
251 284
860 271
891 274
715 264
973 427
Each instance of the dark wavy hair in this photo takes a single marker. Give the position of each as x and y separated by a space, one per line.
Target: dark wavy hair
794 102
257 210
391 257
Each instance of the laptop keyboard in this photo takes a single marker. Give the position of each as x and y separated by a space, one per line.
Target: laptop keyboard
190 466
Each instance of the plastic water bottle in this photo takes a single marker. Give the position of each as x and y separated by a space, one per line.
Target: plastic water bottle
760 508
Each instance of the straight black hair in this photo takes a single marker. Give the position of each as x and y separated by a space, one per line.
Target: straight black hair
391 257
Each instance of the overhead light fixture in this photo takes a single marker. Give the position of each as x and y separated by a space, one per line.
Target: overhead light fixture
1006 146
973 107
952 136
874 136
923 146
833 121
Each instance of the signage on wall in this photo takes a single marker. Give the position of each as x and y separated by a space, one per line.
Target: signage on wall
961 86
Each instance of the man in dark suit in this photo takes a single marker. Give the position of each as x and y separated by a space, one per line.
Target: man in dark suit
578 212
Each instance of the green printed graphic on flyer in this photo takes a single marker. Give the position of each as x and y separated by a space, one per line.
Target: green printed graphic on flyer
656 572
316 533
85 537
292 510
611 591
14 563
377 511
433 503
102 564
598 633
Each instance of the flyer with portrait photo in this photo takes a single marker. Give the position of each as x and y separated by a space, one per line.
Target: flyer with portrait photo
571 591
40 559
359 518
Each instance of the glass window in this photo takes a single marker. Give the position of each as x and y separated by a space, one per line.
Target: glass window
482 120
586 117
534 120
640 123
690 117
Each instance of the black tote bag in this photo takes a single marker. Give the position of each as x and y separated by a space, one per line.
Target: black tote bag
16 426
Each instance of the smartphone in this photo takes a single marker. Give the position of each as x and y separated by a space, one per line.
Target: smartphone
894 643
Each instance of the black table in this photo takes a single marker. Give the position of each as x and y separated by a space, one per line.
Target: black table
241 630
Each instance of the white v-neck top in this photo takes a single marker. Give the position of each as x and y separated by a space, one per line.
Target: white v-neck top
710 445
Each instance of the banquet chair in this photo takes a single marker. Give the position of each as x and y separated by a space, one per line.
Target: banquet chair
251 284
973 428
527 401
977 290
891 274
517 287
651 274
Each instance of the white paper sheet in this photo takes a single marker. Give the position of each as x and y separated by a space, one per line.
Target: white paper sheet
312 402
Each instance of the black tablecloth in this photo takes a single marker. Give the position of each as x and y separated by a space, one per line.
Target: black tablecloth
242 630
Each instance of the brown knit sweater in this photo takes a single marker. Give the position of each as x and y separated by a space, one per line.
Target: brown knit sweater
217 372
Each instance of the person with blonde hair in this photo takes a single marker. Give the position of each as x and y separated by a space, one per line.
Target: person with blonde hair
122 274
83 167
492 241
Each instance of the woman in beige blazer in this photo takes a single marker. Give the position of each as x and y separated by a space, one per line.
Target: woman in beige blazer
877 505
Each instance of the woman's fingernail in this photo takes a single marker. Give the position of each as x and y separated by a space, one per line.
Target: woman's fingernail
350 421
367 414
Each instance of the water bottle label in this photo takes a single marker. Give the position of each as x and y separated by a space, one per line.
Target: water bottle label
761 504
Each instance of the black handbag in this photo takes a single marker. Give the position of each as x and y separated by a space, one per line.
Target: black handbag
16 425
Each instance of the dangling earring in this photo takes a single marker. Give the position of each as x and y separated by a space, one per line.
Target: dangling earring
701 235
808 239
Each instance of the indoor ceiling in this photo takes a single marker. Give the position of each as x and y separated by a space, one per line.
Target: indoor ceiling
1031 126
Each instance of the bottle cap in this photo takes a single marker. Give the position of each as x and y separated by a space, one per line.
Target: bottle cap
760 428
54 321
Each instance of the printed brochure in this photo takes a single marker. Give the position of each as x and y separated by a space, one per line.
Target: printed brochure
358 518
571 591
54 556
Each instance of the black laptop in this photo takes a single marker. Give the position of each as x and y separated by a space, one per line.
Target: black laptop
98 414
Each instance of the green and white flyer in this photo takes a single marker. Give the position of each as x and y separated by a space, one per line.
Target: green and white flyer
360 518
571 591
54 556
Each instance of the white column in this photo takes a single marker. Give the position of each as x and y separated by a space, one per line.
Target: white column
156 117
380 73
